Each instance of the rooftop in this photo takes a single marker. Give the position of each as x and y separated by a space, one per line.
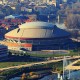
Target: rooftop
38 24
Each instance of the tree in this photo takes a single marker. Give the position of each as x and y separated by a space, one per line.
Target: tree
24 77
18 9
7 10
73 21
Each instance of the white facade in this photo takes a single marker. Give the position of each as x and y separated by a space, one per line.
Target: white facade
44 30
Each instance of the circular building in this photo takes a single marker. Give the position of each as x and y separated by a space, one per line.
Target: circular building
3 52
36 36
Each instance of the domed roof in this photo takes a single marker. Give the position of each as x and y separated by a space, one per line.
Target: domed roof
38 24
37 30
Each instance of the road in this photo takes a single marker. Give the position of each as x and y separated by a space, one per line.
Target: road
72 67
38 63
77 40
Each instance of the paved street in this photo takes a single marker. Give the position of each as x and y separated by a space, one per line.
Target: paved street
38 63
72 67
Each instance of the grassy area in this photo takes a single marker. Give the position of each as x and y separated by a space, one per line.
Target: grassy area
39 67
46 55
42 68
52 55
58 66
9 64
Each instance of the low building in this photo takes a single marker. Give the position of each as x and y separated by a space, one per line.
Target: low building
45 9
3 51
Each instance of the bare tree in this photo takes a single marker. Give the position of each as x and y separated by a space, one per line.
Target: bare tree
73 21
